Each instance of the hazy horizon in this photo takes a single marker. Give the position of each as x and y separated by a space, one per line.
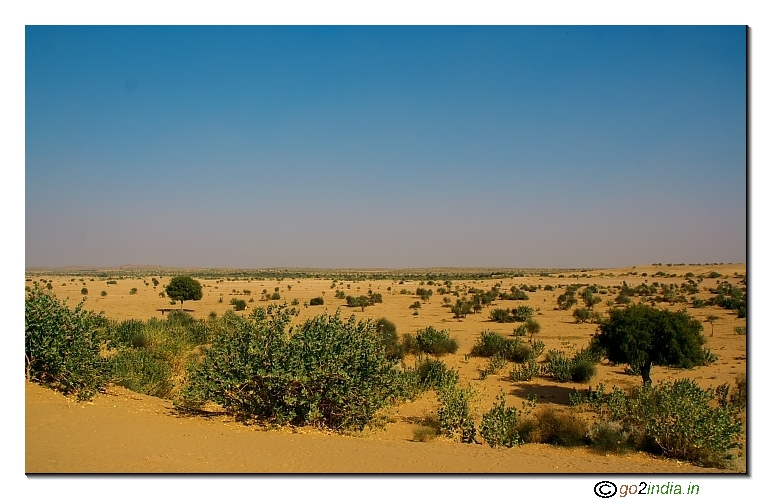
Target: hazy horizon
385 147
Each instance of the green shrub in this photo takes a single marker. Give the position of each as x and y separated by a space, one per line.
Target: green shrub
559 428
558 366
455 413
525 372
61 346
434 374
489 343
582 371
133 291
610 437
684 420
295 302
582 315
127 333
494 364
140 371
275 296
339 294
83 291
522 313
390 339
501 315
238 304
415 305
740 330
437 342
499 425
316 301
327 372
103 293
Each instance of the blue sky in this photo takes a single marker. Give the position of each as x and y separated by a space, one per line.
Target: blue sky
385 146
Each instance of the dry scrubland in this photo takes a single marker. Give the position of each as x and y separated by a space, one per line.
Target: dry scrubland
146 434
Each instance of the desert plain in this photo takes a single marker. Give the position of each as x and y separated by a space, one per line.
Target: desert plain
122 431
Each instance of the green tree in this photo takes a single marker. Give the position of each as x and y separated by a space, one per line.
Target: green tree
711 319
532 327
642 336
184 288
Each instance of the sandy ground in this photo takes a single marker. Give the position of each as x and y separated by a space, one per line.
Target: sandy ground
126 432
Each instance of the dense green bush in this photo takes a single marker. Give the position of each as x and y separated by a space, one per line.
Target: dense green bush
386 329
684 420
525 371
434 374
610 437
433 341
238 304
582 315
61 346
327 372
490 343
499 425
142 372
560 428
316 301
455 412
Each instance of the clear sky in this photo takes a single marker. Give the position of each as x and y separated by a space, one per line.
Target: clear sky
385 146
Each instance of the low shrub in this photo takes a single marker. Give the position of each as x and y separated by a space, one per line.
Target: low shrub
316 301
560 428
682 419
490 343
61 346
238 304
499 425
455 413
437 342
740 330
610 437
327 372
525 372
582 371
142 372
434 374
390 339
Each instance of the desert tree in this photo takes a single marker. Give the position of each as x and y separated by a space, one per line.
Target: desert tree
711 319
184 288
642 336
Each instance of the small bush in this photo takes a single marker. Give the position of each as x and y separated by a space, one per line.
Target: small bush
434 374
682 419
740 330
390 339
316 301
103 293
61 346
142 372
238 304
83 291
559 428
133 291
582 371
610 437
436 342
489 343
499 425
455 413
525 372
582 315
423 434
415 305
326 372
